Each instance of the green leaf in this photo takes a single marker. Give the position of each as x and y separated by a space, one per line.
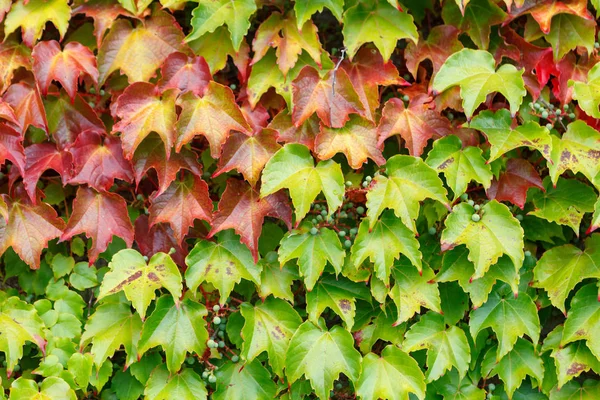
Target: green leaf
292 167
510 318
339 295
381 326
459 166
521 361
569 31
495 234
563 267
80 365
52 388
305 356
587 93
498 129
377 22
384 243
61 265
32 17
583 320
595 218
185 385
313 252
130 273
409 181
475 72
452 386
277 280
573 360
253 381
393 375
565 203
177 328
210 15
446 347
269 326
223 264
413 290
83 276
126 387
306 8
19 323
110 327
589 390
475 17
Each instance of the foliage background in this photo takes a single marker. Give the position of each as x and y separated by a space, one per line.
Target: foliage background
243 199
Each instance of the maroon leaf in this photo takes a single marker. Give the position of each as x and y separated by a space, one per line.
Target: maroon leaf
40 158
514 182
289 133
159 238
185 73
28 106
11 148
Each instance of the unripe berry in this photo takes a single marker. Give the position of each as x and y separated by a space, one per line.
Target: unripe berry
544 114
235 358
360 210
471 202
314 231
212 379
342 233
519 217
432 231
347 244
475 218
216 320
216 308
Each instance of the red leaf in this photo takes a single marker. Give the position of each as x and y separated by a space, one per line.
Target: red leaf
257 117
289 133
66 66
151 154
242 210
99 215
28 106
104 13
12 57
569 68
157 239
415 124
333 104
8 114
442 41
11 148
185 73
182 203
543 11
40 158
99 161
514 182
29 228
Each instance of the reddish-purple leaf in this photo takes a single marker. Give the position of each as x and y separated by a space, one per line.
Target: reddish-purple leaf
40 158
158 238
104 13
13 56
8 114
11 148
512 186
442 41
188 74
28 106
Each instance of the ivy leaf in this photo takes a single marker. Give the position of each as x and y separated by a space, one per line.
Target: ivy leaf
590 389
357 140
409 181
100 216
124 45
474 71
459 166
223 264
561 268
393 375
185 73
31 16
332 103
159 238
413 289
287 132
242 209
65 66
183 202
178 328
103 12
213 116
185 385
29 227
13 55
209 15
544 14
573 360
583 321
19 323
252 381
111 326
497 127
416 124
337 294
452 386
40 158
292 167
384 243
304 10
11 148
248 154
27 104
515 366
586 93
442 41
52 388
446 347
313 252
565 203
509 318
269 327
578 151
567 32
514 182
130 273
305 357
497 233
380 23
142 110
595 218
476 19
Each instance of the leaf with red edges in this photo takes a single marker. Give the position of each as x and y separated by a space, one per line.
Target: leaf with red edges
442 41
151 154
213 116
8 114
29 228
185 73
13 56
416 124
98 161
242 210
11 148
333 104
543 11
100 216
104 13
357 140
257 117
182 203
143 109
512 186
569 68
366 72
65 66
28 106
531 57
40 158
248 154
287 132
158 238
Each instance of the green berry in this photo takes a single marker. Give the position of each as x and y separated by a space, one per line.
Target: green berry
204 374
343 214
235 358
491 387
450 116
360 210
353 231
314 221
190 360
405 98
558 111
572 115
551 106
566 107
519 217
220 334
537 106
464 197
365 184
222 326
471 202
145 258
549 126
527 253
319 217
216 320
314 231
212 379
211 343
348 183
347 244
350 205
338 386
596 45
476 207
324 213
216 308
221 344
233 86
342 233
432 230
368 178
545 114
475 218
